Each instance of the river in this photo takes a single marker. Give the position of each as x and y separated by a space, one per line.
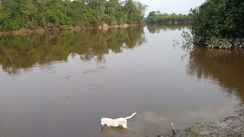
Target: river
60 85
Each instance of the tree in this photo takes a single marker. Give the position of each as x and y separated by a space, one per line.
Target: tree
17 14
29 11
155 17
219 20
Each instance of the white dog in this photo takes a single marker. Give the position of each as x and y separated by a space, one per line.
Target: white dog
116 122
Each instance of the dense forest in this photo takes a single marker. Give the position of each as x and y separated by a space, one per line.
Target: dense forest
156 17
31 14
219 23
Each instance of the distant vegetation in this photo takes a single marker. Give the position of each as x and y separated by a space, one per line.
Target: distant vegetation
219 23
31 14
155 17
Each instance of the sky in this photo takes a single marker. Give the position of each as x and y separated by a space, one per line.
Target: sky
171 6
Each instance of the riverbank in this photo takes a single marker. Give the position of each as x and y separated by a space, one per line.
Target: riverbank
40 30
232 126
216 43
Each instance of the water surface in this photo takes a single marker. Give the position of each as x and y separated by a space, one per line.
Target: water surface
60 85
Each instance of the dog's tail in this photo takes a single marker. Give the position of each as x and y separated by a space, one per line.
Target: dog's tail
131 116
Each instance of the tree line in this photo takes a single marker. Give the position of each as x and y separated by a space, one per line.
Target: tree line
17 14
156 17
219 23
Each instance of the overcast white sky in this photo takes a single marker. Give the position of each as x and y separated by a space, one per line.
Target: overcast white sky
171 6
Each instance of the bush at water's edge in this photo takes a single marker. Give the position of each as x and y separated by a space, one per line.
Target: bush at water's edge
219 24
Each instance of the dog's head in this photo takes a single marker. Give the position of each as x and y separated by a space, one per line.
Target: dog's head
123 123
103 121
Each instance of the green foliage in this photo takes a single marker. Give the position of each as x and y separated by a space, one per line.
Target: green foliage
219 19
134 11
17 14
218 43
156 17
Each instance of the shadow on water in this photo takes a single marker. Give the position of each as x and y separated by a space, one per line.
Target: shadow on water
223 66
120 130
18 52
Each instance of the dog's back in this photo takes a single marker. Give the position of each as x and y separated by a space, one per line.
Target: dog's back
116 122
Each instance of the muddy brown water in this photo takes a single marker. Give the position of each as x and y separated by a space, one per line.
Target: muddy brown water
60 85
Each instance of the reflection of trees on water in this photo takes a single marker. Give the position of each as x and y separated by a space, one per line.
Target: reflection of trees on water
224 66
157 28
22 52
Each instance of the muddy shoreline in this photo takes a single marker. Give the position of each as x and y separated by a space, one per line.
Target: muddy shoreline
232 126
40 30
